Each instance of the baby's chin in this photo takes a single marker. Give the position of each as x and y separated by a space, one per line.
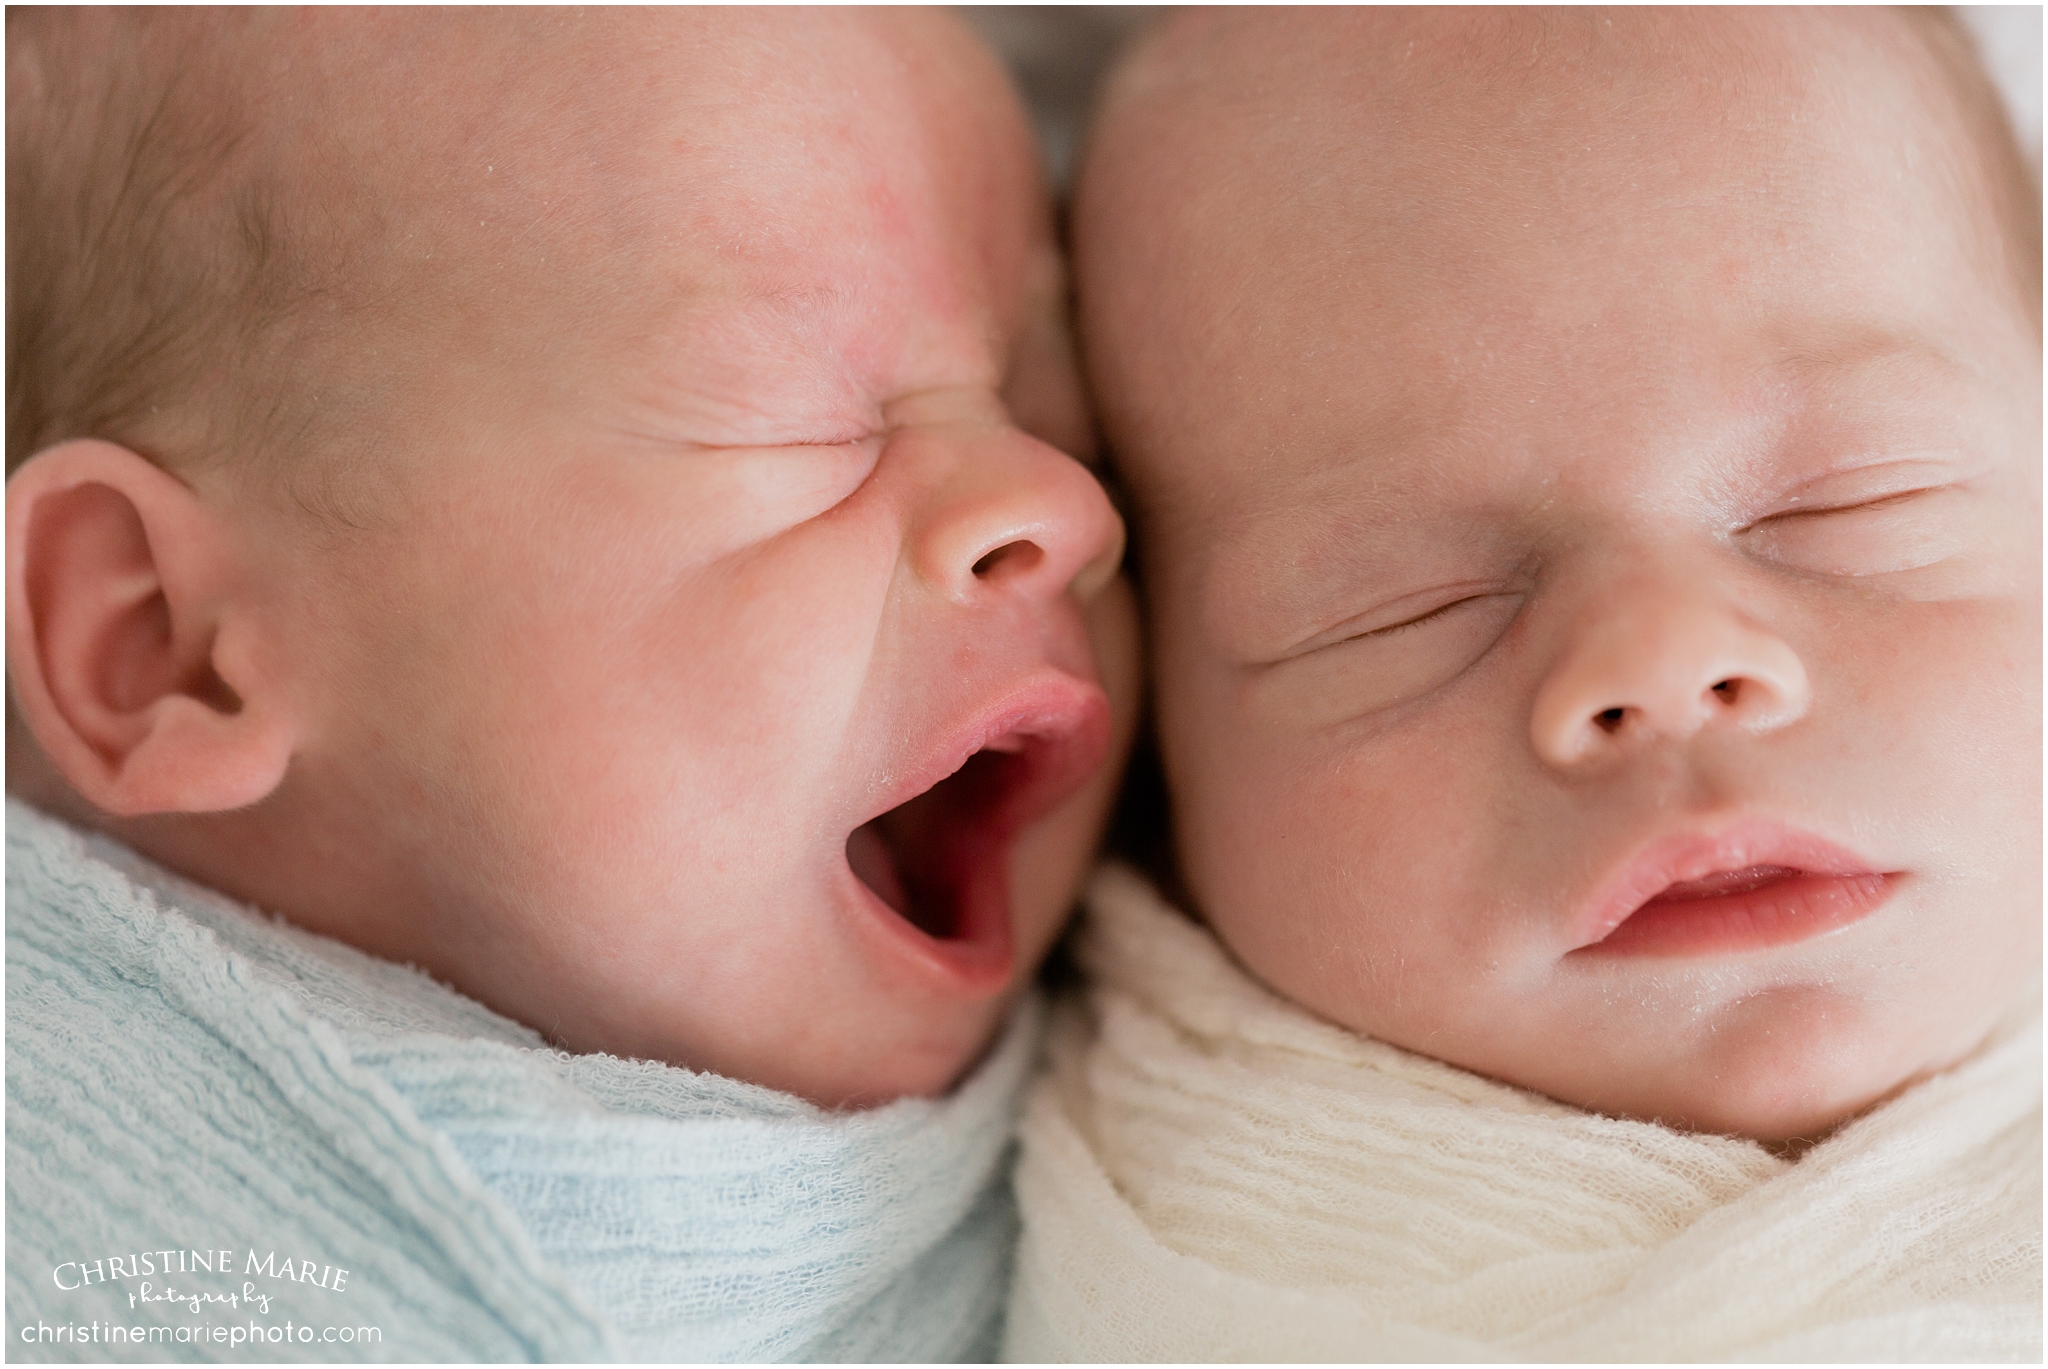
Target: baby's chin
927 1070
1784 1067
871 1058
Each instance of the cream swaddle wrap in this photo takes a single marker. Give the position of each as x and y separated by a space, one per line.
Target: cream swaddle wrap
1211 1173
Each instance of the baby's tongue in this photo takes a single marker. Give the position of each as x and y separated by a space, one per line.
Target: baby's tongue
1726 882
875 866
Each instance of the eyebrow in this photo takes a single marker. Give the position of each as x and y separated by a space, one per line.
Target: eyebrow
808 311
807 302
1862 348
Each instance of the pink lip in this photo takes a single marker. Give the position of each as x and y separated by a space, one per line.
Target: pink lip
1056 732
1743 888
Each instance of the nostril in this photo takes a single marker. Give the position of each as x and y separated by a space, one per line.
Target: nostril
1011 558
1609 719
1727 691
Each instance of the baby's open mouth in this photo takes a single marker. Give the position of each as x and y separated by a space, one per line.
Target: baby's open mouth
940 859
921 856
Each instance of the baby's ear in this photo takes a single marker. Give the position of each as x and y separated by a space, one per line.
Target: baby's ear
129 655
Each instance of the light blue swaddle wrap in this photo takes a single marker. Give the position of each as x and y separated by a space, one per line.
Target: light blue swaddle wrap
186 1077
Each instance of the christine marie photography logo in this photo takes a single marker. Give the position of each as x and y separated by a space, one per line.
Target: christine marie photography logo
229 1290
125 1270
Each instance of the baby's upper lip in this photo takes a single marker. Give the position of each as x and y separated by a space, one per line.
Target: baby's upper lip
1685 856
1065 718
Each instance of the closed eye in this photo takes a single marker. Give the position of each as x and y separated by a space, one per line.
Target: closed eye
1411 613
1881 502
1352 671
802 481
1889 532
733 497
1419 620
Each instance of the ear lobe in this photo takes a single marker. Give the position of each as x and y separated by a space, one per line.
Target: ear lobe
118 612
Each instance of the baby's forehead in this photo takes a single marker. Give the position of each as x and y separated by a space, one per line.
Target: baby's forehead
733 131
1420 81
1446 200
1311 142
497 185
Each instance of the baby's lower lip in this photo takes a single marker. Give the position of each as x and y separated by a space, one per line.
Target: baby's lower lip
1743 910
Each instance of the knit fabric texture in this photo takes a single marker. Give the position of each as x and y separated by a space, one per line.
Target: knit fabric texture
1210 1173
185 1075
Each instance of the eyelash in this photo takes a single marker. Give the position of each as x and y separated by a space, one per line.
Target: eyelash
1393 628
1880 502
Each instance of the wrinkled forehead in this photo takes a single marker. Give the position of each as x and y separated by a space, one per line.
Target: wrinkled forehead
1369 224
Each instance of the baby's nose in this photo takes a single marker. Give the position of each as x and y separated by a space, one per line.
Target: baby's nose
1009 514
1662 659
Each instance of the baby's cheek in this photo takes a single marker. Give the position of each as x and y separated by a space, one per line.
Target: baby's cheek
1342 858
1328 871
1946 735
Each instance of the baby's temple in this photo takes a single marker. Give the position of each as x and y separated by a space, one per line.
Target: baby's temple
678 690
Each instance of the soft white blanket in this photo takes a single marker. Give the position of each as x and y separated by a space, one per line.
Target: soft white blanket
1210 1173
186 1076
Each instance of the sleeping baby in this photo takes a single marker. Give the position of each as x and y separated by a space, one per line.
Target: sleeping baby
1585 476
574 504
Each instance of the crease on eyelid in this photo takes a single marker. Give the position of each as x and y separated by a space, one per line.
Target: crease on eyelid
1786 516
1881 500
1408 624
1890 539
1428 606
730 445
1882 477
765 474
